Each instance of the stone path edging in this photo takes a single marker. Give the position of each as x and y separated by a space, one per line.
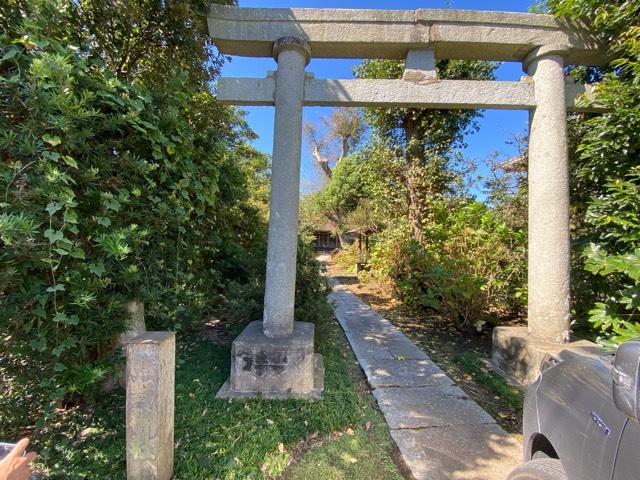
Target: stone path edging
441 432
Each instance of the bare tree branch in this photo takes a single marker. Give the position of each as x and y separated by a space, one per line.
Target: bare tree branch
345 129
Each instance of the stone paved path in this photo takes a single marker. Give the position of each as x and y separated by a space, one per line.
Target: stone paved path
441 432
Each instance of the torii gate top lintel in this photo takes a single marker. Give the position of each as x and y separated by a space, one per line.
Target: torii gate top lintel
350 33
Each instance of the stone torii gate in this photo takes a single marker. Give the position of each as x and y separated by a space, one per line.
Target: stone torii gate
275 357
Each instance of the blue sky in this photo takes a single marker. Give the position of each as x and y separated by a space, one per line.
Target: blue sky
496 128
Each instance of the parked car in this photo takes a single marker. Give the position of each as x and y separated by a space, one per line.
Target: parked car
581 418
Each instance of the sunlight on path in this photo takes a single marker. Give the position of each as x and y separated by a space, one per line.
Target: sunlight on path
441 432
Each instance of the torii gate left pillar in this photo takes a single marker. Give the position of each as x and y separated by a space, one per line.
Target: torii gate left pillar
275 358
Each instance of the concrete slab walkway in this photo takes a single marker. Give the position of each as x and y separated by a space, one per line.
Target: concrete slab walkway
441 432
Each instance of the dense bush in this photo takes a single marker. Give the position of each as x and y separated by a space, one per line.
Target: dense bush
605 189
614 262
244 301
470 269
112 189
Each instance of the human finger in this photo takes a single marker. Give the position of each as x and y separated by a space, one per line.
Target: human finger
19 469
30 457
18 450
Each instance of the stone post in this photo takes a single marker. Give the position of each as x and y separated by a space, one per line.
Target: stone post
292 55
549 252
150 378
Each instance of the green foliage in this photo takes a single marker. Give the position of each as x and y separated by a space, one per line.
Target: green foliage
140 41
473 364
347 257
425 138
617 315
363 455
470 268
439 130
110 189
469 264
614 215
217 439
243 302
606 190
339 197
345 189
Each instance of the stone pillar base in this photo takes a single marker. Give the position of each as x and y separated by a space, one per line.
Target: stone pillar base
517 356
275 368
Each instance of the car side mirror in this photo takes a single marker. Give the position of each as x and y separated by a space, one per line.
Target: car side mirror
626 379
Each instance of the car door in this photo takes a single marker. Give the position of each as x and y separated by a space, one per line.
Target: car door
627 465
606 426
574 402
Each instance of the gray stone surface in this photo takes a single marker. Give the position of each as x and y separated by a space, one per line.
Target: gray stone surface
402 348
282 367
460 452
226 392
150 406
517 355
420 66
441 433
367 350
464 94
548 183
292 55
421 407
405 373
348 33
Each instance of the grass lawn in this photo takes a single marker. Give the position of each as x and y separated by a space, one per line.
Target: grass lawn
473 364
341 436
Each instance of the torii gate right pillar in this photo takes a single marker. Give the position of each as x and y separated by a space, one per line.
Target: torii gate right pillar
519 352
549 250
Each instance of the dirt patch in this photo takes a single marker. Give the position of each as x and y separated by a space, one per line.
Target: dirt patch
441 341
215 330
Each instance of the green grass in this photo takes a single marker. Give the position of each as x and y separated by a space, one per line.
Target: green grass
473 363
361 456
218 439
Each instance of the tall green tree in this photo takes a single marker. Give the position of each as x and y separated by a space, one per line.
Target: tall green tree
139 40
425 138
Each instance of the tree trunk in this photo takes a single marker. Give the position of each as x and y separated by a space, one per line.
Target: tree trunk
343 240
322 162
414 161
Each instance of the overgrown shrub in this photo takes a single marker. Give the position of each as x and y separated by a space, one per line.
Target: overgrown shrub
606 187
616 316
110 190
244 302
470 268
347 257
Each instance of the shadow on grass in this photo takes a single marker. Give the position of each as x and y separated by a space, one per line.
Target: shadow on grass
218 439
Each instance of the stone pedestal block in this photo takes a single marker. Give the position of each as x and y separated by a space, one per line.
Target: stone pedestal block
274 368
150 379
517 355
